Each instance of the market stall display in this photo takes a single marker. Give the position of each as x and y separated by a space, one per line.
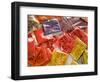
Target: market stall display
57 40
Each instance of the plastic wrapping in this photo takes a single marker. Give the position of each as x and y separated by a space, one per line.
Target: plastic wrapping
78 49
81 34
51 26
58 58
38 56
57 40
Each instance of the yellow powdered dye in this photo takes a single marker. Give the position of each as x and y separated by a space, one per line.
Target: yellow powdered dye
58 58
78 49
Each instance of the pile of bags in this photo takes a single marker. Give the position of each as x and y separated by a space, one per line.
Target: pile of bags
57 40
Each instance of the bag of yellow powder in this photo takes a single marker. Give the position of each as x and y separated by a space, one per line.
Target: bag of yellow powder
78 49
84 58
58 58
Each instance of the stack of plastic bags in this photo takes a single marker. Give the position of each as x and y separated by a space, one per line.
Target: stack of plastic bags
57 40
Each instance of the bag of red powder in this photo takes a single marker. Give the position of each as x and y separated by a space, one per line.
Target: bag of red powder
48 44
43 57
38 56
65 43
80 34
40 36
